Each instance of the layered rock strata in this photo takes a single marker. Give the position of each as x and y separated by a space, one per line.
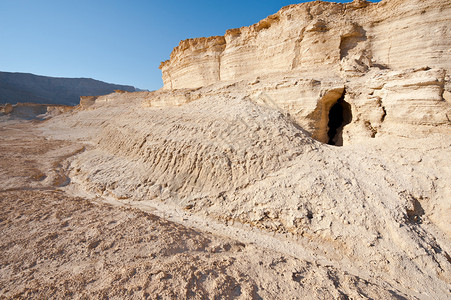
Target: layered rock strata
319 39
392 59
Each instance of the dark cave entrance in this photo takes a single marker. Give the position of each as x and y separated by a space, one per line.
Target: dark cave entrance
331 114
339 116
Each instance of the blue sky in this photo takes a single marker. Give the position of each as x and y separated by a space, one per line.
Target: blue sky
116 41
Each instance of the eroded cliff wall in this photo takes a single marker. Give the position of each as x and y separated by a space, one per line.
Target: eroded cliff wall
389 61
319 39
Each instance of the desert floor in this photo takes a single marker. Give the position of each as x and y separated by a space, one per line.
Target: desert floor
55 245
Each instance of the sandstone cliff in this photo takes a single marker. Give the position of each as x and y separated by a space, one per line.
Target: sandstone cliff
319 39
390 60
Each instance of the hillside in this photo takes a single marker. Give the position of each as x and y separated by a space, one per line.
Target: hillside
303 157
24 87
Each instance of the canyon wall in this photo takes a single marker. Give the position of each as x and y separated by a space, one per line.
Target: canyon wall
390 61
319 39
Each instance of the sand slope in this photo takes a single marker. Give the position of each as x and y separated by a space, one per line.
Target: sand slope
58 246
375 209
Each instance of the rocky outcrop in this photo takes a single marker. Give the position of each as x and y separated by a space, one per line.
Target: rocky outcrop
319 39
31 111
389 60
204 62
6 109
87 101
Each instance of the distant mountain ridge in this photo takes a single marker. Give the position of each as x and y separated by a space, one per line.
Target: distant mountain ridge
26 87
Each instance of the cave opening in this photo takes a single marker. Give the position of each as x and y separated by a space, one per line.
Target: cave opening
339 116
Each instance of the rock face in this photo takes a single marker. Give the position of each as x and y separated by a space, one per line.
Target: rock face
319 39
23 87
31 111
390 60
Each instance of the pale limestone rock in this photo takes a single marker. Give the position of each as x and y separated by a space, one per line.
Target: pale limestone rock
29 111
200 68
7 108
314 37
391 43
229 138
447 96
87 101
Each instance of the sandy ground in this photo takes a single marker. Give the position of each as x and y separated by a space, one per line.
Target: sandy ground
55 245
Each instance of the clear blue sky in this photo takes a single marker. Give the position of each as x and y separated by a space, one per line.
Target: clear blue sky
117 41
